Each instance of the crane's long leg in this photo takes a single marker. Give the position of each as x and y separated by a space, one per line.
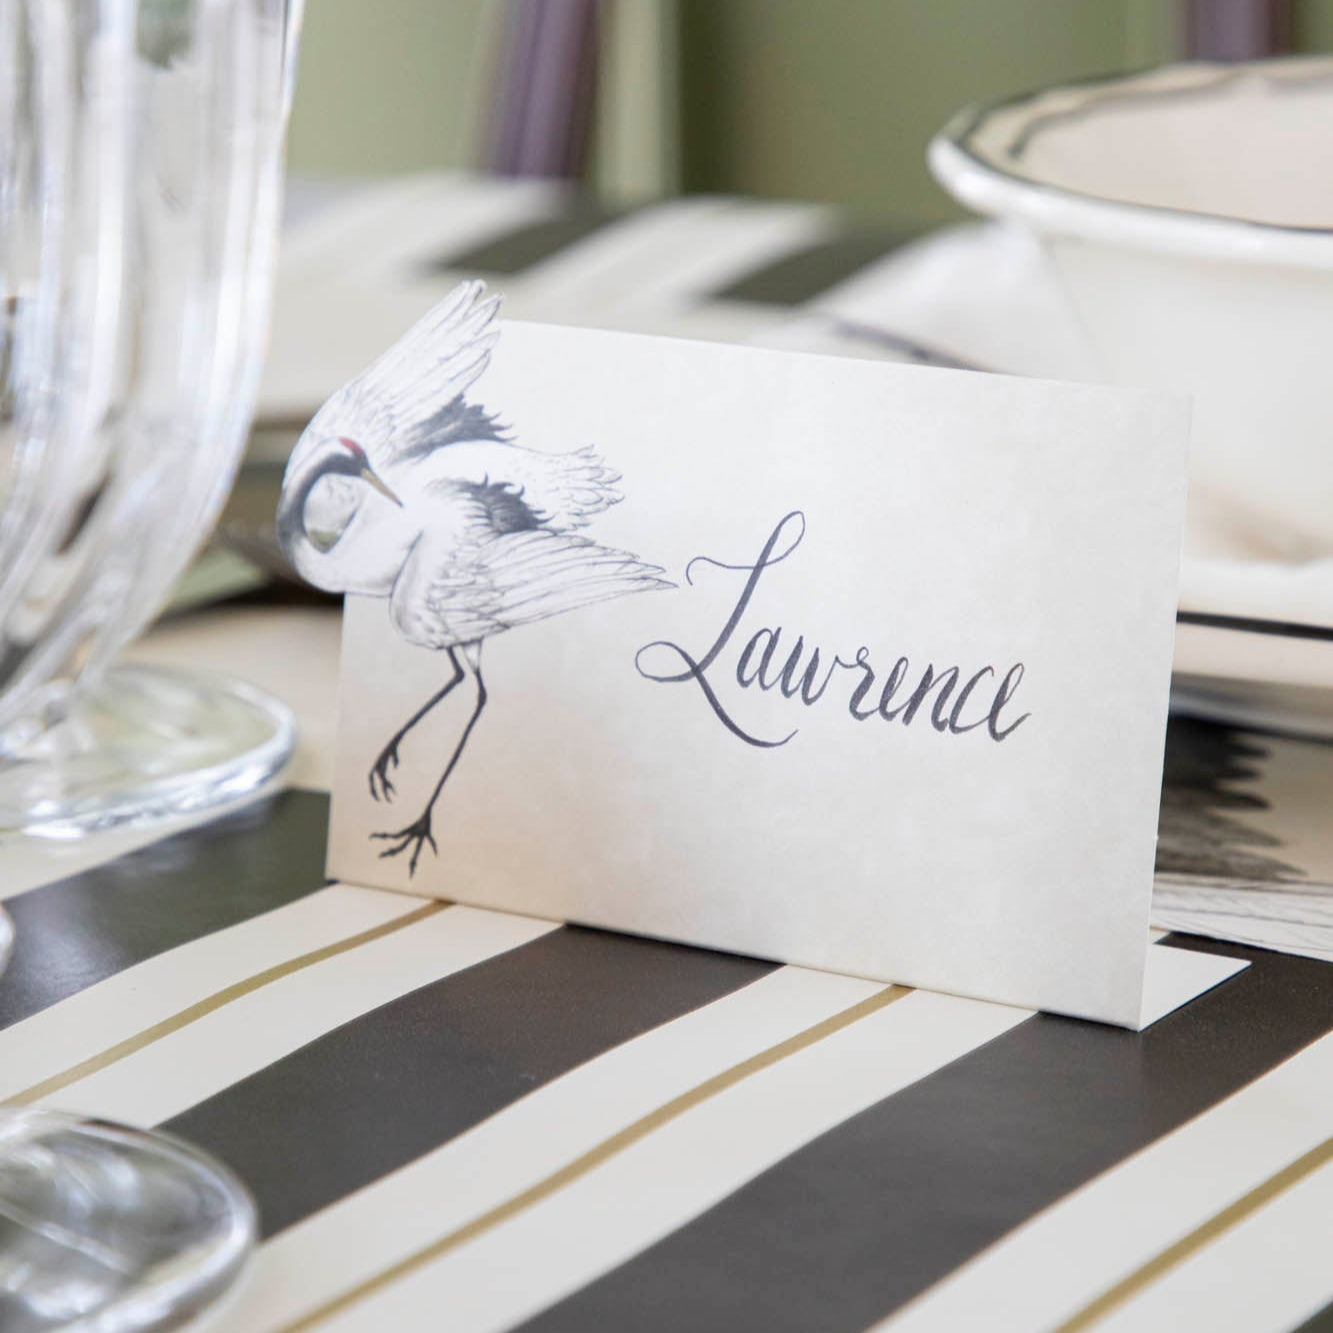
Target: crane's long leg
379 772
418 833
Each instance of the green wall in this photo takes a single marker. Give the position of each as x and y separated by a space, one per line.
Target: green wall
837 100
1312 25
389 87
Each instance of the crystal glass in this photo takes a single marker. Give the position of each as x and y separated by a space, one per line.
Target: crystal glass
140 181
140 169
108 1229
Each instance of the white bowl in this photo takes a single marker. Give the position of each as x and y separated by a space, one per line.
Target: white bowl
1189 214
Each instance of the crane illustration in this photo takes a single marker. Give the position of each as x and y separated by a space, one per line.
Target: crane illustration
400 487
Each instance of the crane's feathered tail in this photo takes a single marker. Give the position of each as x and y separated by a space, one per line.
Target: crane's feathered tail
539 574
507 579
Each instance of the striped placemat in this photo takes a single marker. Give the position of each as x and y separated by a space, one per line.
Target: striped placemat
362 268
462 1119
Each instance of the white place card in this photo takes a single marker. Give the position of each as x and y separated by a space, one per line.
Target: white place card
858 666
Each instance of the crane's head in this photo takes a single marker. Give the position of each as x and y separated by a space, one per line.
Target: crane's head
354 462
321 495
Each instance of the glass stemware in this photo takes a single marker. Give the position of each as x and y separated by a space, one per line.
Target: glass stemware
140 185
140 170
112 1230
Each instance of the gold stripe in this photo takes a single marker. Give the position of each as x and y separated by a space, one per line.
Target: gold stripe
1214 1228
211 1004
605 1150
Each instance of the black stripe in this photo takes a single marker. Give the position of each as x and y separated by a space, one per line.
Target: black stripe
1320 1322
513 251
1286 629
78 931
862 1219
393 1084
808 272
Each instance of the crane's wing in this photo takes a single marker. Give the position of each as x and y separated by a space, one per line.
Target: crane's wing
406 399
466 584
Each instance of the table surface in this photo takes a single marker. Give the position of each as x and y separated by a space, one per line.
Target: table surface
466 1119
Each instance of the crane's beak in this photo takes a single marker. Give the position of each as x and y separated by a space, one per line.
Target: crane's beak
367 475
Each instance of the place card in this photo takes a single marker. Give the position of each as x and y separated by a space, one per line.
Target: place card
852 665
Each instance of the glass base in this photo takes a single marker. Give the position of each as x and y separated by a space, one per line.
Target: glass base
105 1227
143 745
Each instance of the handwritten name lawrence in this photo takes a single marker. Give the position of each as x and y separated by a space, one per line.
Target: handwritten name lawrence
767 658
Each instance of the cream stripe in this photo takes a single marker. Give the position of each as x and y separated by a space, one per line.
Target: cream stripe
210 1004
372 232
510 1151
358 252
220 1048
1091 1240
678 249
604 1151
1268 1274
145 993
350 1242
651 1187
1213 1229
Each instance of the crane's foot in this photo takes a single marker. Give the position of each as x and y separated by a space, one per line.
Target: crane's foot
415 836
380 786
